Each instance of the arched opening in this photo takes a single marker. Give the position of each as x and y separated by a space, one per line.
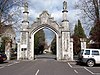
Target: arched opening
45 44
50 42
46 48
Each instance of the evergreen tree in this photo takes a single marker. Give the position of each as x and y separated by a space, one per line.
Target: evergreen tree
81 33
76 39
78 33
95 35
39 42
76 30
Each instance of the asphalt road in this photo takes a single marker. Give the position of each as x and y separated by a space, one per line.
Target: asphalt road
46 67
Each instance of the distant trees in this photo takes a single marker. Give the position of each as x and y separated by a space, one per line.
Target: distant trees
39 42
78 33
53 45
91 16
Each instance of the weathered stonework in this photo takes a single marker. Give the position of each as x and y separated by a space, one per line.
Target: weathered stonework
62 32
83 43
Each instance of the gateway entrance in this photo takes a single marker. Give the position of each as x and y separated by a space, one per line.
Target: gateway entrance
64 44
45 45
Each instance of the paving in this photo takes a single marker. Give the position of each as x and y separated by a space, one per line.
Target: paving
46 67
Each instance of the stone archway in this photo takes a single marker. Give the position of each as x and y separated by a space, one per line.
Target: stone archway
62 31
57 40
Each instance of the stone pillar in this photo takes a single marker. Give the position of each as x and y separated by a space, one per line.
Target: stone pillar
29 49
32 48
71 48
65 32
83 43
24 37
65 45
65 22
27 40
18 51
58 47
7 50
64 11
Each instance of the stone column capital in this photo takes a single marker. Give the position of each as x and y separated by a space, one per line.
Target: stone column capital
83 39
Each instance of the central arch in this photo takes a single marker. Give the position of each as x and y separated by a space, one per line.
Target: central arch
47 27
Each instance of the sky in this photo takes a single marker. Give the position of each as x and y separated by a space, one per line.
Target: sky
54 7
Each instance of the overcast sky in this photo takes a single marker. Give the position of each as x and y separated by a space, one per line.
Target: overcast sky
54 7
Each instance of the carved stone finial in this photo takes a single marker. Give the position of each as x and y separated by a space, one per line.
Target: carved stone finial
26 7
26 4
64 5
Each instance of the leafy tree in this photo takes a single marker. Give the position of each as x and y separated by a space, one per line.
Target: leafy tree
78 33
53 45
39 42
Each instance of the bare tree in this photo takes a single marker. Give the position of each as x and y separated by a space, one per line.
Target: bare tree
90 11
91 16
10 11
10 14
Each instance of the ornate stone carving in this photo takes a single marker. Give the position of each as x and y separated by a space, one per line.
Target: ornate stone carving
64 5
61 31
44 17
23 40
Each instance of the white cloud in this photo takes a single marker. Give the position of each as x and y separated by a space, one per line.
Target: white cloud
32 15
57 15
73 16
54 7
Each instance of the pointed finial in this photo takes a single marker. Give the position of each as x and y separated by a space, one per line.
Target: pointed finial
64 5
26 7
26 4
